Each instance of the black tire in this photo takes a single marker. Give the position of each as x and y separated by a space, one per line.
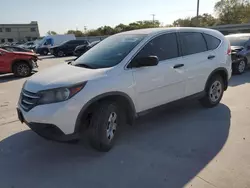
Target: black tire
60 54
22 69
99 126
209 100
45 52
239 67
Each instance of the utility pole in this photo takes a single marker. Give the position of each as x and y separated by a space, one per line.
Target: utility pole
153 19
197 15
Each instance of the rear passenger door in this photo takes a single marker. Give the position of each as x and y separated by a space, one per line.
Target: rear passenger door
199 61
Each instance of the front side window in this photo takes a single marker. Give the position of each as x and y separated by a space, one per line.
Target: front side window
192 43
109 52
164 47
212 42
1 30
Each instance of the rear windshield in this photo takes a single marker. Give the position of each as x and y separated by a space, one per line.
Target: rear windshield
238 41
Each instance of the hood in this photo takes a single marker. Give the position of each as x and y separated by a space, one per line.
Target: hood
61 76
25 53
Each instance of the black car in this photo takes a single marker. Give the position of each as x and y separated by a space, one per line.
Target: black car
84 48
15 49
67 48
240 45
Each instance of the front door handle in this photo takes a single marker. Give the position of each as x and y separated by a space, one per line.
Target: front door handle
178 66
211 57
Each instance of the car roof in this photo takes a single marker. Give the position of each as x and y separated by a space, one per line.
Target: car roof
154 31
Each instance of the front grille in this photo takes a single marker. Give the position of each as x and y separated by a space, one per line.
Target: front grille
28 100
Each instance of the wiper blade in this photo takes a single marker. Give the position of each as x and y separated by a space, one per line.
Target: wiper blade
85 66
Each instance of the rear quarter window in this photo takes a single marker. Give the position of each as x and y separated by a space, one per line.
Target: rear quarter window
192 43
212 42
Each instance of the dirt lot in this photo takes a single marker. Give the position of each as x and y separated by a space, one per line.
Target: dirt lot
176 147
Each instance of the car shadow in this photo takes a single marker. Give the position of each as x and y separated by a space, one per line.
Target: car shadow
240 79
166 148
8 77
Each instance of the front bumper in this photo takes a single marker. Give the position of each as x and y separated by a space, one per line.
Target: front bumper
48 131
63 114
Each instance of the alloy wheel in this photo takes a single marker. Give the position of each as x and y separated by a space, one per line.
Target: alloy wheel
111 126
215 91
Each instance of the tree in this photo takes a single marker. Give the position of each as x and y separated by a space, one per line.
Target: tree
204 20
51 33
233 11
77 33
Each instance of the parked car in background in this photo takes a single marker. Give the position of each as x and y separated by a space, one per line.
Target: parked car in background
240 45
67 48
79 50
20 63
121 77
15 49
28 45
44 45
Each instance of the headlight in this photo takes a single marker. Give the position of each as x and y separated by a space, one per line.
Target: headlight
59 94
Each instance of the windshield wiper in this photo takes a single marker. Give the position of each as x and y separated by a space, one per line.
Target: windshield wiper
85 66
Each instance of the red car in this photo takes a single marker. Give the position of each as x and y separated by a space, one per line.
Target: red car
22 64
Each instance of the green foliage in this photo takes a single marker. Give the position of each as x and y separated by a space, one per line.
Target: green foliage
233 11
107 30
77 33
204 20
51 33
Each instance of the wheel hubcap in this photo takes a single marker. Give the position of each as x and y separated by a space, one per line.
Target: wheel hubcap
242 66
215 91
23 70
112 124
60 54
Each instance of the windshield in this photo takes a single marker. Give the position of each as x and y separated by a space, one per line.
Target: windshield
238 41
109 52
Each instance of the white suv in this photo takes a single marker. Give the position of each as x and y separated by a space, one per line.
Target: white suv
124 75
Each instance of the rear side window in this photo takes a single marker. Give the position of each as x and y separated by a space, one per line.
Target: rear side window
212 42
192 43
164 47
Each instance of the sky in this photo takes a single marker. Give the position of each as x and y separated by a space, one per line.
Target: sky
62 15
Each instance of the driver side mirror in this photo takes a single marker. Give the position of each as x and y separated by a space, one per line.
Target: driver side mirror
145 62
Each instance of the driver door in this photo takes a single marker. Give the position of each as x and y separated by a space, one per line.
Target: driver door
157 85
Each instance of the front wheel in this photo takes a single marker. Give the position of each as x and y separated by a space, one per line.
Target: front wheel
45 52
105 121
214 92
60 53
22 69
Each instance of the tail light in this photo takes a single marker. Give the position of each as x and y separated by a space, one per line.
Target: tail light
229 50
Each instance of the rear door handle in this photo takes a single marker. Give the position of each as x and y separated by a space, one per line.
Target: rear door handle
178 66
211 57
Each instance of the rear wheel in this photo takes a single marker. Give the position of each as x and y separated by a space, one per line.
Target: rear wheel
104 123
240 67
214 92
22 69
